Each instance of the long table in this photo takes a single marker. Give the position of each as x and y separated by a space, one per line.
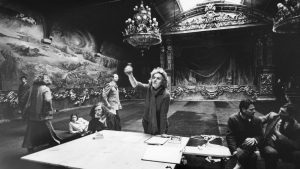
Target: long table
115 150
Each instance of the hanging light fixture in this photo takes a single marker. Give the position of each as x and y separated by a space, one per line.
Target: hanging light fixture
287 18
142 31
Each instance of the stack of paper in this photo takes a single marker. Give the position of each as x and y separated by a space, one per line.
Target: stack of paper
163 154
208 150
156 140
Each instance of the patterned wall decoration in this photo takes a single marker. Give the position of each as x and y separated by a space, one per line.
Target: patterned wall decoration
213 92
266 83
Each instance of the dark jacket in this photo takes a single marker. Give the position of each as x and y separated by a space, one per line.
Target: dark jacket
23 93
96 125
162 101
39 104
240 129
292 133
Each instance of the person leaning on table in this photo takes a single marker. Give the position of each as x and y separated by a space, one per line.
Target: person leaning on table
157 100
99 120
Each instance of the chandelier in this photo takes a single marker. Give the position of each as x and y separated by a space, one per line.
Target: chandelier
287 18
142 31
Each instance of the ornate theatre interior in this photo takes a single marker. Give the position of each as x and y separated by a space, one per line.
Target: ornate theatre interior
211 49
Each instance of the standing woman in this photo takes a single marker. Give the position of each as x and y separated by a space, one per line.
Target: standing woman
39 112
110 96
157 100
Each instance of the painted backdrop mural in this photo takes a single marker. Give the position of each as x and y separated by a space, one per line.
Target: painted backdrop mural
68 56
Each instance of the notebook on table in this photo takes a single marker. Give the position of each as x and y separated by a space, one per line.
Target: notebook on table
157 140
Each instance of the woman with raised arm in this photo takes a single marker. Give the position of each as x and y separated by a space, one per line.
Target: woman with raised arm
156 102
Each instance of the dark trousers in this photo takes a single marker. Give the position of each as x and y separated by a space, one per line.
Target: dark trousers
114 121
247 158
40 133
271 156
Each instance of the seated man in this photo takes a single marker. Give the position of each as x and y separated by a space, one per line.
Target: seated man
245 133
282 137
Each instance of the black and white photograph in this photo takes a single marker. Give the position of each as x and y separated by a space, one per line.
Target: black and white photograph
150 84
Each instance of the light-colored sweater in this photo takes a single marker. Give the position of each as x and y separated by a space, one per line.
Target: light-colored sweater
78 126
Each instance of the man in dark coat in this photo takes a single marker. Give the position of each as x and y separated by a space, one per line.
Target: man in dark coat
282 137
23 92
245 133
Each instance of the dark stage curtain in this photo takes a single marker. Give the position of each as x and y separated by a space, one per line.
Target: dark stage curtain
214 66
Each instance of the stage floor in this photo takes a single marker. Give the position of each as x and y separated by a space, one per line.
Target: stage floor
12 133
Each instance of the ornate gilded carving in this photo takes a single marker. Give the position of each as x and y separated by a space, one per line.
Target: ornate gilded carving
287 18
266 83
212 16
212 20
213 92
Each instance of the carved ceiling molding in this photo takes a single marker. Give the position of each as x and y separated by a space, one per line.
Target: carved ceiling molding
214 16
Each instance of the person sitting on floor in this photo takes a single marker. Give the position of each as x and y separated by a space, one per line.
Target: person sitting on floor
245 134
99 118
282 137
78 125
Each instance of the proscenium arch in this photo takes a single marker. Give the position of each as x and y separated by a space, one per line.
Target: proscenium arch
215 16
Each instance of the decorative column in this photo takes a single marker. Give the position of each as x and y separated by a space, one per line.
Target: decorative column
170 63
259 52
269 50
267 77
162 57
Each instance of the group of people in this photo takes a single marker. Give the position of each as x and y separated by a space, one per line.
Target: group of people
106 116
280 138
103 115
101 118
37 108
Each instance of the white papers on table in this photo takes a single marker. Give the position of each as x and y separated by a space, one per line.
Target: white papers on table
213 150
156 140
164 154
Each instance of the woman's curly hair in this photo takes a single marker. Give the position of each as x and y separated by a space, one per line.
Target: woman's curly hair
163 73
93 112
